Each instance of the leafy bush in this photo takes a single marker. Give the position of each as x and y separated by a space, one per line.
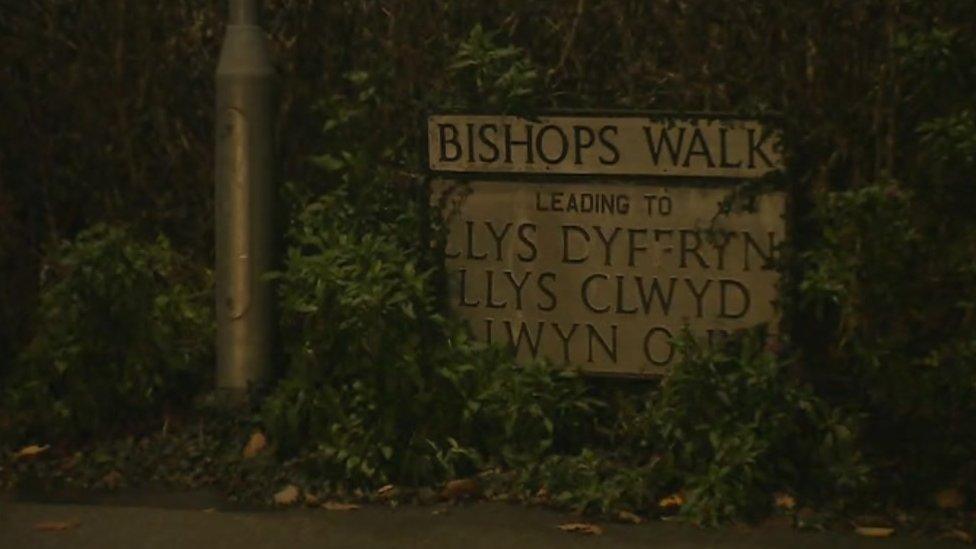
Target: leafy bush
123 331
736 428
381 386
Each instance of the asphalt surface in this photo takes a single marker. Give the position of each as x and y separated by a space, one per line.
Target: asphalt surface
175 521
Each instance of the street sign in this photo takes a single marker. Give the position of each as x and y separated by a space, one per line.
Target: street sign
601 265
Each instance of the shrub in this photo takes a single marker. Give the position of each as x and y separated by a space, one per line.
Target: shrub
383 388
123 331
736 428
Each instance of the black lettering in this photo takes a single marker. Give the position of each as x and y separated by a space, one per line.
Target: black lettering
578 230
620 298
529 242
693 250
498 237
647 294
462 290
578 133
516 342
584 291
547 290
702 149
664 139
565 338
471 253
518 285
445 141
527 143
490 143
632 246
563 148
539 204
608 144
767 257
717 336
571 206
755 148
647 346
699 295
490 291
724 151
470 142
723 309
609 349
607 242
726 238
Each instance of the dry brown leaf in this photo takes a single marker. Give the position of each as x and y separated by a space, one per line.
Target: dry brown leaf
784 501
627 516
255 445
112 480
339 506
950 498
32 451
958 535
287 495
674 500
874 531
386 492
56 525
461 487
581 528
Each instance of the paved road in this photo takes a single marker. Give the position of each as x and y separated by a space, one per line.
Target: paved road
477 526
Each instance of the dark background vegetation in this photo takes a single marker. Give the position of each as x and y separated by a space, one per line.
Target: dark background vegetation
107 122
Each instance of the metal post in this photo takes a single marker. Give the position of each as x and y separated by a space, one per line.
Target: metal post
244 200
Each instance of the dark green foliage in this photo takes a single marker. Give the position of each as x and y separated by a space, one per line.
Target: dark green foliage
381 387
110 121
737 427
123 331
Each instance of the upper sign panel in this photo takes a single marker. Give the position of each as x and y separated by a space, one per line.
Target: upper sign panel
630 145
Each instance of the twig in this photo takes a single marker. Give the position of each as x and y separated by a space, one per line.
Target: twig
580 7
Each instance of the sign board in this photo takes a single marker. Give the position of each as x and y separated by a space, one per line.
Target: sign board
598 270
601 145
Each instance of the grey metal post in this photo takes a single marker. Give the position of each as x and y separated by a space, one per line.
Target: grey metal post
244 198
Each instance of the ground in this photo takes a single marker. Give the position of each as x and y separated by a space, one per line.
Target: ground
200 520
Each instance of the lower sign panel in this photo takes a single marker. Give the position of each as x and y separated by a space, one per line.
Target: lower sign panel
605 275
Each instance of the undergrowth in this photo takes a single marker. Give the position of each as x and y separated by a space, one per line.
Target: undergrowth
867 408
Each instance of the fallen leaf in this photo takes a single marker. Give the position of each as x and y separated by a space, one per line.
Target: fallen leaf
784 501
311 500
627 516
460 488
674 500
255 445
874 531
287 495
32 451
386 492
950 498
958 535
581 528
112 480
56 525
71 462
339 506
